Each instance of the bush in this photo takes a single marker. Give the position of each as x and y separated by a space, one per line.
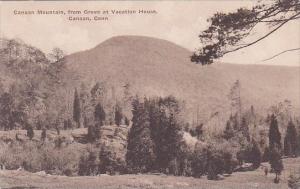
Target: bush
34 157
212 160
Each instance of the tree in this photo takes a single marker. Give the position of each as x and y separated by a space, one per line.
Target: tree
266 155
118 114
255 155
43 134
228 132
99 114
167 132
30 132
140 149
11 113
274 134
77 109
127 121
57 54
228 31
236 101
199 131
92 135
276 162
245 129
290 140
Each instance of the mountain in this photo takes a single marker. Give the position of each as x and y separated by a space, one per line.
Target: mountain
158 67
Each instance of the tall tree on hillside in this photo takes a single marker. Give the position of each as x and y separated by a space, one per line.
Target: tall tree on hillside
99 114
140 149
228 32
290 140
235 100
245 129
118 114
228 132
77 109
56 55
274 134
86 106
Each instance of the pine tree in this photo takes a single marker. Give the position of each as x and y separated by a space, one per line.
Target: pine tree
228 132
167 133
276 162
30 132
76 109
43 134
255 155
290 140
99 114
266 155
274 134
126 121
245 129
140 154
91 136
118 114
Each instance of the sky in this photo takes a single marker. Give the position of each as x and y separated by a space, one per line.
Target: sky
177 21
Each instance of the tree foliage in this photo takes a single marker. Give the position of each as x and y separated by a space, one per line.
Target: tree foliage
274 134
99 114
227 31
290 140
118 114
76 108
276 161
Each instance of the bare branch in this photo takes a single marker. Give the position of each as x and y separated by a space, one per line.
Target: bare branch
280 20
289 50
291 18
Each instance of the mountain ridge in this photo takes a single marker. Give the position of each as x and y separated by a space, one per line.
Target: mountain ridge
157 67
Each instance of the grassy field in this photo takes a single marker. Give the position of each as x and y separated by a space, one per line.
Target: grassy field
239 180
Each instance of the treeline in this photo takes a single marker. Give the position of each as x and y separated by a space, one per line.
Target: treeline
156 142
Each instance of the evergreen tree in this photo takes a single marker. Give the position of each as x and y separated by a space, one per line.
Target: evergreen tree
140 154
266 155
276 162
76 109
274 134
30 132
255 155
126 121
43 134
245 129
290 140
92 135
92 167
228 132
167 132
118 114
99 114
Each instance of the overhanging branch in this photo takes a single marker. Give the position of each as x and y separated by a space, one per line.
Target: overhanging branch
252 43
289 50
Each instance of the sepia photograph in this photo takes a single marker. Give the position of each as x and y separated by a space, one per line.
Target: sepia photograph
200 94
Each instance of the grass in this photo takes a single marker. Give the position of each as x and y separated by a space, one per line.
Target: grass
239 180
